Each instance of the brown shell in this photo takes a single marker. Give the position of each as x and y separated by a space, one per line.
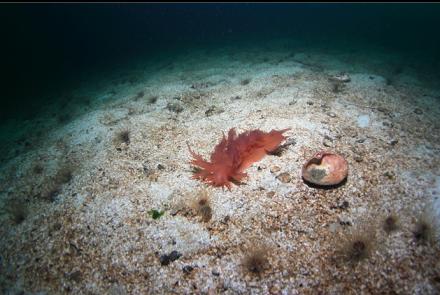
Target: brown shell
325 168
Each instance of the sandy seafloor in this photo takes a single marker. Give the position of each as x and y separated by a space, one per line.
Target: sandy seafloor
92 232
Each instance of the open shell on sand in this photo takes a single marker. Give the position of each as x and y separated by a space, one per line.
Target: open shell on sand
325 168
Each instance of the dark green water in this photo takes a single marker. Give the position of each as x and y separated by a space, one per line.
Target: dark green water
50 51
46 48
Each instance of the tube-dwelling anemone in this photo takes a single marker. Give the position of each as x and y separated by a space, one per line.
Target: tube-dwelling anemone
256 259
122 136
425 227
390 223
201 205
356 245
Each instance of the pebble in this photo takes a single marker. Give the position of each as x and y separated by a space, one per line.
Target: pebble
358 158
345 223
351 132
340 78
389 174
174 107
174 255
200 85
328 142
310 103
331 114
418 111
284 177
393 142
325 107
290 141
213 110
275 169
187 269
383 110
270 194
275 289
75 276
344 205
166 259
245 81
